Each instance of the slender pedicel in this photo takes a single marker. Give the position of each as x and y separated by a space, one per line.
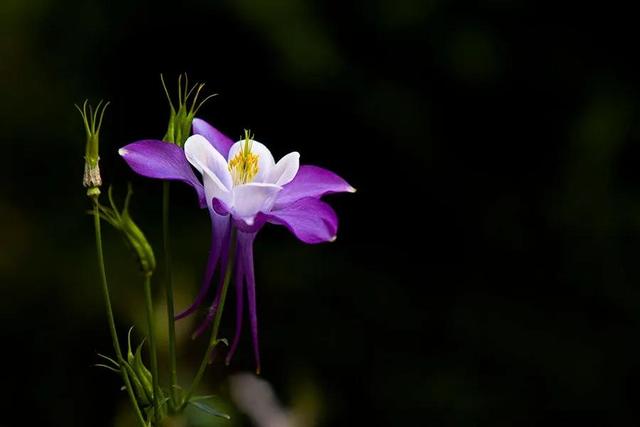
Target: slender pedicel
180 118
152 344
110 317
92 181
137 242
169 294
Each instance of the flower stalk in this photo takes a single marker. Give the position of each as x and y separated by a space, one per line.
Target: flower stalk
152 344
169 294
178 130
110 317
92 180
143 251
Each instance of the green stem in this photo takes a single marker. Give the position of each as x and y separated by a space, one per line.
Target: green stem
111 320
152 344
213 341
169 289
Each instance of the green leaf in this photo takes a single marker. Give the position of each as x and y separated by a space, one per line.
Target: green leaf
197 398
107 358
102 365
209 410
129 352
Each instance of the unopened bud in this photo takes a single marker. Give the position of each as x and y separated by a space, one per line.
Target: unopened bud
140 376
132 234
92 122
182 114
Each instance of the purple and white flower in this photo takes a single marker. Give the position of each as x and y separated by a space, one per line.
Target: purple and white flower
243 188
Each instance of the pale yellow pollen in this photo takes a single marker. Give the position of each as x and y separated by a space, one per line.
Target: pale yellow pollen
244 165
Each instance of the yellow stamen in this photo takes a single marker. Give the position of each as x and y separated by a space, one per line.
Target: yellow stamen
244 165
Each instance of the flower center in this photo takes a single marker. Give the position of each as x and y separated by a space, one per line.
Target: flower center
244 165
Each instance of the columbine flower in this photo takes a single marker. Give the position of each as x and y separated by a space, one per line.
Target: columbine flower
243 188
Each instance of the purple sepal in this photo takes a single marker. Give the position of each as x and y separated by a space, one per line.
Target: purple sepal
161 160
311 181
310 220
220 141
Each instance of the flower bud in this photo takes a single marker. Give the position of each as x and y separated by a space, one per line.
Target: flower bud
141 378
92 123
132 234
181 116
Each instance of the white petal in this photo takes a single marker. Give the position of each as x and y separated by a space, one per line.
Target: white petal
213 167
265 159
249 199
214 188
202 155
286 169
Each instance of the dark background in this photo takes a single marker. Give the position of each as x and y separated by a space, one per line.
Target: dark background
485 272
